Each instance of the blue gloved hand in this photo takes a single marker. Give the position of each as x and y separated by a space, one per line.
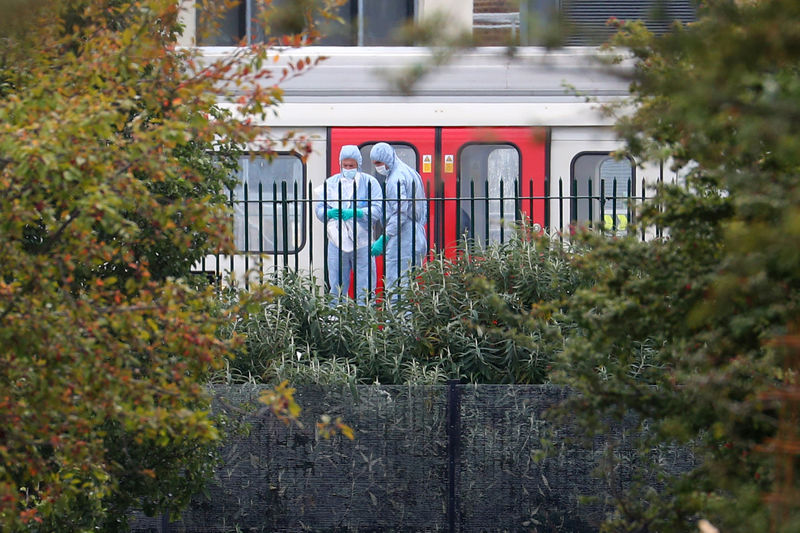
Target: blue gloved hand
347 214
333 213
361 212
377 247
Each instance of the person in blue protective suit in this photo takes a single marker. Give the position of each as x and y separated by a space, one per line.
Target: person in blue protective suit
350 203
403 241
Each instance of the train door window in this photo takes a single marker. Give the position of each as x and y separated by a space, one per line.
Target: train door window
405 152
364 23
601 189
489 180
268 204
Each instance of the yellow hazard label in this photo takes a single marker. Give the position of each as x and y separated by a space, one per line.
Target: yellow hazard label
426 163
448 163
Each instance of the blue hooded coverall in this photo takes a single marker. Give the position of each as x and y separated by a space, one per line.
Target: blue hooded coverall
354 230
406 244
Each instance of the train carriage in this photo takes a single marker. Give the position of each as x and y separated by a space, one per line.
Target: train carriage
496 138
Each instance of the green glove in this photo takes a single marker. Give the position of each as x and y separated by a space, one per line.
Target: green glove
333 213
361 212
347 214
377 247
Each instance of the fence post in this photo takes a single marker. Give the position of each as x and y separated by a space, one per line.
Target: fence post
453 442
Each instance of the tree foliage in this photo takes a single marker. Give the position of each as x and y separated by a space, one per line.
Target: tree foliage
110 194
697 333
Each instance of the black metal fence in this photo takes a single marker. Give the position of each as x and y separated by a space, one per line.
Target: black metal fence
279 227
425 458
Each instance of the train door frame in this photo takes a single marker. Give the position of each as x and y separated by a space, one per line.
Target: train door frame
532 147
616 221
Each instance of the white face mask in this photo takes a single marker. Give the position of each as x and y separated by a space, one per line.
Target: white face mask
382 170
349 173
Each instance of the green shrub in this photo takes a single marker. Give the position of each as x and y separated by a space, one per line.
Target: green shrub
481 318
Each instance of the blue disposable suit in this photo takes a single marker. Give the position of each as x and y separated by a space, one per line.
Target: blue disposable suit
349 226
406 215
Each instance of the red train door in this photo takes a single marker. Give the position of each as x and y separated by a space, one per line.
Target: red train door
489 178
415 146
478 180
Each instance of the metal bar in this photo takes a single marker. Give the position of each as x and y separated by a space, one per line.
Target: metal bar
339 246
530 200
245 228
614 205
354 261
660 182
502 213
275 239
246 208
325 240
399 232
260 218
471 213
643 198
486 214
546 202
602 203
297 220
430 214
459 229
453 435
628 204
561 208
414 223
369 242
309 217
285 224
573 204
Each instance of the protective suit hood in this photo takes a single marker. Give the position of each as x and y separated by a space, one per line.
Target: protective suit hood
350 151
384 153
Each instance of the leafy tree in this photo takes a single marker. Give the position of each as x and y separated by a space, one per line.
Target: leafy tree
110 194
697 333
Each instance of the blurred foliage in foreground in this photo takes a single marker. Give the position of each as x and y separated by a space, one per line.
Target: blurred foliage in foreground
698 333
109 195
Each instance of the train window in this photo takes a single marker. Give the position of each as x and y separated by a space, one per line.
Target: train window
602 187
489 180
268 204
405 152
364 23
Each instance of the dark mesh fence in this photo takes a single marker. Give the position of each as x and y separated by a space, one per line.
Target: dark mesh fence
460 458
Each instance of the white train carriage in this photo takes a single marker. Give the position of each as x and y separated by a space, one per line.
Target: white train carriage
495 138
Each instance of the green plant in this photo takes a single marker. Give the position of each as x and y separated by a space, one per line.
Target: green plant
458 319
696 334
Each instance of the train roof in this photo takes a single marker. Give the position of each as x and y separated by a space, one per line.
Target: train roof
555 86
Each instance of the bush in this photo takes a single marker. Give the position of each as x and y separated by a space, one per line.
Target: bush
479 318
